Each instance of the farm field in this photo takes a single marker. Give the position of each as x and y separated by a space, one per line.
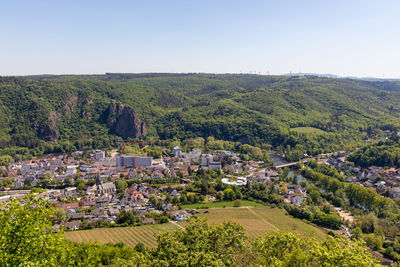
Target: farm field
257 222
308 130
128 235
260 221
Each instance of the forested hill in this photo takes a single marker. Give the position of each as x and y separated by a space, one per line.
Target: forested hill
40 114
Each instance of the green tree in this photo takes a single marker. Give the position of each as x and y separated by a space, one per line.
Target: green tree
175 200
140 247
68 182
5 160
80 186
229 194
200 244
287 249
237 203
120 185
59 215
25 239
127 217
220 196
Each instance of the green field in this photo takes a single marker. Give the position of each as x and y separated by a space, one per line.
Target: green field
260 221
257 222
308 130
221 204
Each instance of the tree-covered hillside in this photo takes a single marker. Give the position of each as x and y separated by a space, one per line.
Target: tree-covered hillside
41 114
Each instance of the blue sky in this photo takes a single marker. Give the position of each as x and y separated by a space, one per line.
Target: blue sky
352 37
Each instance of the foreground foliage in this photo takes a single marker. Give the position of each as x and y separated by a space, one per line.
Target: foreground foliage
26 240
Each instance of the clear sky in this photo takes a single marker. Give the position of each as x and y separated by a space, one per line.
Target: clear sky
344 37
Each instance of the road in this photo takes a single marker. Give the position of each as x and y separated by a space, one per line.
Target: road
173 222
305 160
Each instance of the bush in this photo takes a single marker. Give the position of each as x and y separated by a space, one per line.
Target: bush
140 247
163 219
237 203
373 241
331 233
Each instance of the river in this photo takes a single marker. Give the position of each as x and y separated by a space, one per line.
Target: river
277 159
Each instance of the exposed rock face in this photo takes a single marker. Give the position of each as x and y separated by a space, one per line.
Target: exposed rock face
70 105
124 121
48 130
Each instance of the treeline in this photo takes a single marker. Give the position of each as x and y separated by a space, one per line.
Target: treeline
332 183
377 219
314 215
384 153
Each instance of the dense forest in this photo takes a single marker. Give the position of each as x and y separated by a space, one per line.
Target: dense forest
296 115
385 153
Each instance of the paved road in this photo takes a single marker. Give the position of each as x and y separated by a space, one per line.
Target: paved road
305 160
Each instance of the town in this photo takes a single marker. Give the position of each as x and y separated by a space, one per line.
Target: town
92 189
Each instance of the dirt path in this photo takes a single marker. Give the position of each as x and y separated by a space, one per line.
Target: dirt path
180 226
345 215
266 222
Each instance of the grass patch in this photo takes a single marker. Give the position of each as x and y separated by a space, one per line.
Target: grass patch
245 203
260 221
308 130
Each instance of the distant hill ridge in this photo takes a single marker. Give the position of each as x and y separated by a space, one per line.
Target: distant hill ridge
70 109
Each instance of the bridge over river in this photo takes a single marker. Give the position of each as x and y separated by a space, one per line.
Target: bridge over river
290 164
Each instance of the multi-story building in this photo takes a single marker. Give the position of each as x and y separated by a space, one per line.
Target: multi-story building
98 154
177 151
133 161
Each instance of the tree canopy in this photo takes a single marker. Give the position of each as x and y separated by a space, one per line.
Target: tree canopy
46 114
27 239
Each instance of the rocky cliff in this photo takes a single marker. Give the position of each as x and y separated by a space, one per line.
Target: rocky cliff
124 121
48 130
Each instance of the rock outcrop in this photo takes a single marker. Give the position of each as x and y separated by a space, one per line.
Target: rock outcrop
48 130
124 121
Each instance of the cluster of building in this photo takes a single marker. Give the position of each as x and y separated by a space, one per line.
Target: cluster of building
67 169
101 202
63 168
384 181
96 198
291 193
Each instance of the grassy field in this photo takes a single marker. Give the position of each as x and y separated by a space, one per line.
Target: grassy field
308 130
257 221
260 221
221 204
129 235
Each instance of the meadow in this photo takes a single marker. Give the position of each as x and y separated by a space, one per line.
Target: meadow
260 221
308 130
